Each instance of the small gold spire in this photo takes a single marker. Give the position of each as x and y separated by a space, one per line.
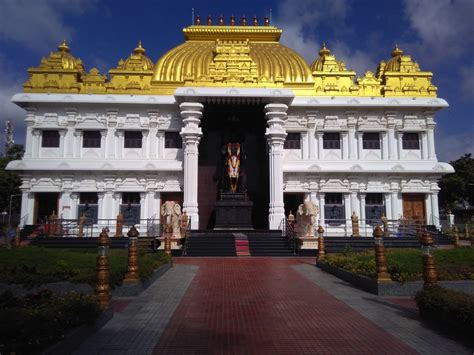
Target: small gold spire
255 20
221 20
197 21
324 51
209 20
266 21
396 51
139 49
63 47
232 20
243 22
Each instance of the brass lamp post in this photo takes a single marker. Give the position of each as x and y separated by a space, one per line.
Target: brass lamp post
321 251
456 236
119 225
355 225
102 288
430 274
132 275
380 257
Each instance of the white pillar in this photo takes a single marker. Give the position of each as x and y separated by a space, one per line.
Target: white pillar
321 208
119 144
312 144
145 149
424 146
431 144
143 207
345 146
27 206
152 140
69 143
319 152
101 206
161 144
384 141
388 206
355 205
435 209
74 196
276 134
429 212
108 205
305 145
352 143
396 213
347 211
391 144
400 145
191 133
36 143
362 208
77 144
359 144
30 120
103 144
117 200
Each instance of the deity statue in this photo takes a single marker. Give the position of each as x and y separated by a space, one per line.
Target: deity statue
306 219
171 213
233 179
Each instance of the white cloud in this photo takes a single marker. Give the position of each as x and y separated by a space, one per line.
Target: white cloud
445 28
38 24
300 21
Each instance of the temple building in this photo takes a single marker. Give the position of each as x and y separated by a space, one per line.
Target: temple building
146 132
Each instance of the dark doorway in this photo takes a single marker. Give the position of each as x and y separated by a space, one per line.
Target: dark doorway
292 200
45 204
221 123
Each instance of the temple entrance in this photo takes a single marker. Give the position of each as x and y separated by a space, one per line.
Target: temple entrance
414 207
222 123
45 204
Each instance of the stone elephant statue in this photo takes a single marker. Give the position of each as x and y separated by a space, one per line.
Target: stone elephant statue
306 217
171 213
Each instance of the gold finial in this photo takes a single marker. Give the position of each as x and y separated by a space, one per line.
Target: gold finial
396 51
139 49
232 20
63 47
243 22
324 51
221 20
197 21
209 20
255 21
266 21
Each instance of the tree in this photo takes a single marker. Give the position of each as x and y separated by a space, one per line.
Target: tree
458 188
9 180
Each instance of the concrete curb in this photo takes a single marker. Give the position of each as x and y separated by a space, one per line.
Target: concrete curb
391 288
135 290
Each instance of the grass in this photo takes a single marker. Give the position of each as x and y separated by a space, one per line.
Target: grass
33 266
406 265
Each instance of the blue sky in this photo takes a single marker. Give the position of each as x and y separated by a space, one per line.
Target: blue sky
438 34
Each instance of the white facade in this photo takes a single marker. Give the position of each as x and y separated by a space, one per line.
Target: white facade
313 169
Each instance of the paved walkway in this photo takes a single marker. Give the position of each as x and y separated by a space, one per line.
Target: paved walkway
260 306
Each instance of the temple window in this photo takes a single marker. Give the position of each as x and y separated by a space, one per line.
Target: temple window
371 140
173 140
374 208
293 141
331 140
88 206
133 139
411 141
50 139
130 207
334 209
91 139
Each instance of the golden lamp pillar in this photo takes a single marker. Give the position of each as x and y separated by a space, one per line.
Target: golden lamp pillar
380 257
119 226
132 276
102 287
430 274
355 225
321 251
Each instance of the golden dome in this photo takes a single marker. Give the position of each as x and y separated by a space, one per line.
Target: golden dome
231 56
327 62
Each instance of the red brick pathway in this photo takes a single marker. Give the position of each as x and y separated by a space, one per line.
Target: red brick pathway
262 306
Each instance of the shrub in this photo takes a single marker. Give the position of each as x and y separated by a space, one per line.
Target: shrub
447 308
33 322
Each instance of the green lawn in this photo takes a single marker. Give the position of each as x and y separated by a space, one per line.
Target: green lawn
406 265
34 266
